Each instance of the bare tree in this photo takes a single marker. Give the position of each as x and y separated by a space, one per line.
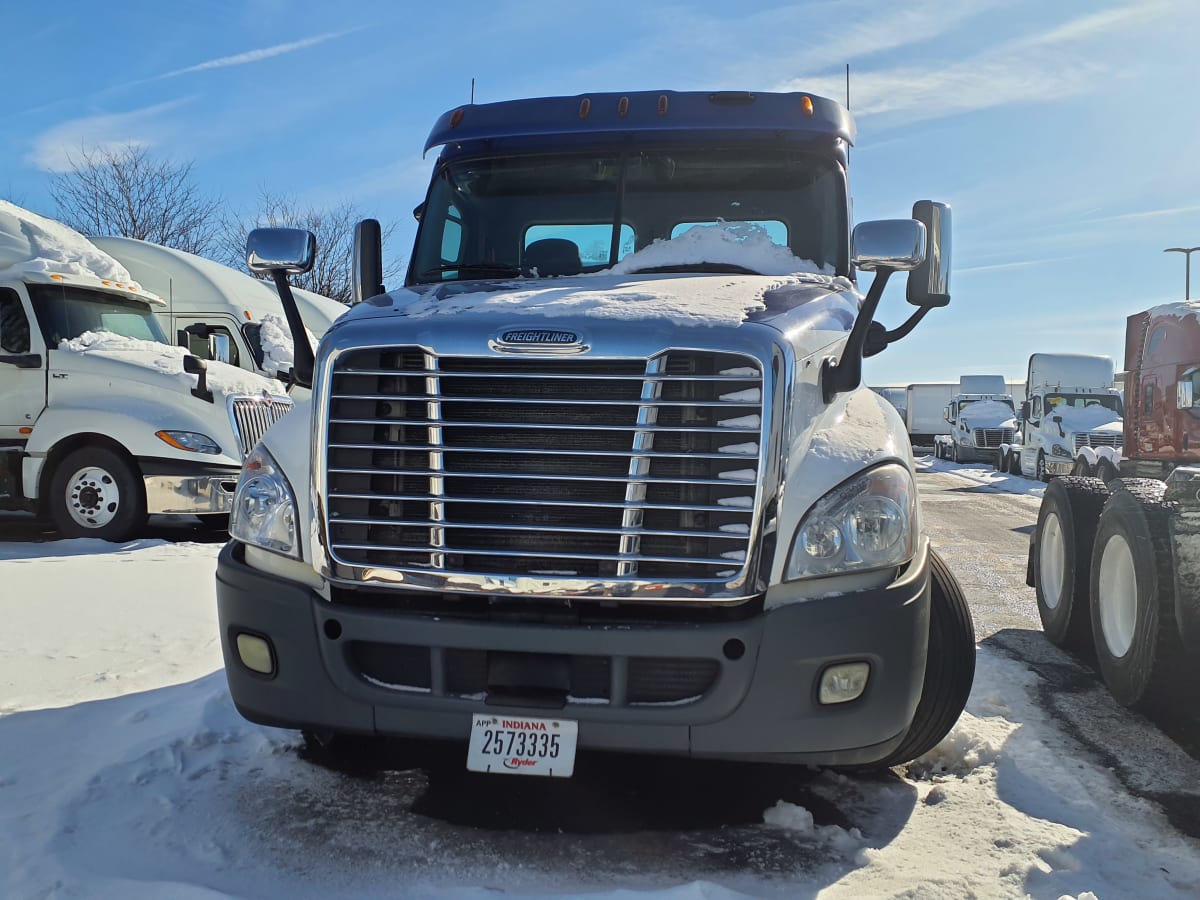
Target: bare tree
129 193
332 272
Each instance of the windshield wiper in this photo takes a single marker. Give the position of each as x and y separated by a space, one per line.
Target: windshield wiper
704 267
504 270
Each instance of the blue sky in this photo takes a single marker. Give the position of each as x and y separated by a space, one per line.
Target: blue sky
1064 133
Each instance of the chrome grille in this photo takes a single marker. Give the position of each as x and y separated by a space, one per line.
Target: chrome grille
252 416
992 438
629 469
1098 439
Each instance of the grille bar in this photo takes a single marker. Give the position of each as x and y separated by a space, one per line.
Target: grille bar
723 429
252 416
425 498
541 376
451 398
1098 439
726 535
656 454
543 476
542 554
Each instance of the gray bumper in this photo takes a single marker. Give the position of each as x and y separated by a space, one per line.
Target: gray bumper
192 494
760 705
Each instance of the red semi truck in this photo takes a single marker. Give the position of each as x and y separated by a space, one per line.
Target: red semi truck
1116 564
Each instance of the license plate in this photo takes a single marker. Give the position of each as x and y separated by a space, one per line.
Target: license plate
521 746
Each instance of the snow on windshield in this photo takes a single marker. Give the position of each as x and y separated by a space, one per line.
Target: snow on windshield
1084 419
744 244
223 379
991 410
276 339
33 244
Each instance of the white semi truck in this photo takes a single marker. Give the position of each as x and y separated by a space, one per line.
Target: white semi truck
101 421
206 300
1070 422
603 473
981 419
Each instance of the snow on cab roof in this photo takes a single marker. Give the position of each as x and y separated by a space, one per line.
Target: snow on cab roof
34 248
208 286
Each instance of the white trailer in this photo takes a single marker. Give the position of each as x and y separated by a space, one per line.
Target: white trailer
925 411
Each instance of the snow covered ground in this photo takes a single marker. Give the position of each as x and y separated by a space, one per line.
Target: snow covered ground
126 772
985 475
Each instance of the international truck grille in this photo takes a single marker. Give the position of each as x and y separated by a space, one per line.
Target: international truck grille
1098 439
992 438
252 416
625 681
604 470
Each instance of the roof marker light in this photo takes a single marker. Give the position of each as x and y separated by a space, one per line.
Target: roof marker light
623 107
246 313
25 429
806 104
662 104
585 107
106 283
56 277
457 116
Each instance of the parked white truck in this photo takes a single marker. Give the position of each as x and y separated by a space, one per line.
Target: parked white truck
101 421
1070 422
205 299
603 473
981 419
925 408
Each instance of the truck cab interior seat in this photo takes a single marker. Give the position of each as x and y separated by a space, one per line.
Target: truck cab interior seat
552 256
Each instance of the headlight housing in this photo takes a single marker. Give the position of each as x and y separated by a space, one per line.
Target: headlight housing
868 522
192 441
264 507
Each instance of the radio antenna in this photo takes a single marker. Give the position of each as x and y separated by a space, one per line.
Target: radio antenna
473 90
847 85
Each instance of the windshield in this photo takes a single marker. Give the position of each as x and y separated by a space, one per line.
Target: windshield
1058 402
563 214
64 312
963 404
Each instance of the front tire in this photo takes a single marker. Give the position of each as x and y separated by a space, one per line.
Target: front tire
95 492
1081 468
1040 471
1132 586
949 667
1105 470
1062 561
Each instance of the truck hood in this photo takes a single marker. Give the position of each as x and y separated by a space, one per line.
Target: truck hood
788 303
150 366
1089 419
988 414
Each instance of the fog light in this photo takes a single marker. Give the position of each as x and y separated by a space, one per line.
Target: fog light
843 682
255 653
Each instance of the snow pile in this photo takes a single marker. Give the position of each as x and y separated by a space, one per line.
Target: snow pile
962 751
799 820
742 244
223 378
276 339
34 245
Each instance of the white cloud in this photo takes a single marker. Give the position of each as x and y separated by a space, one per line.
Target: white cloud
253 56
53 150
1039 67
1167 213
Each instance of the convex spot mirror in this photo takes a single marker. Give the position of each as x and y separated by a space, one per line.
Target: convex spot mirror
888 243
288 250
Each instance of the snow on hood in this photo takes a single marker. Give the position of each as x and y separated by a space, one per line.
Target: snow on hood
742 244
987 410
276 339
223 378
34 245
1089 418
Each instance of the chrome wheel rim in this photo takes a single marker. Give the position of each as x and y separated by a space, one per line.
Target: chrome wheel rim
1052 560
92 498
1117 596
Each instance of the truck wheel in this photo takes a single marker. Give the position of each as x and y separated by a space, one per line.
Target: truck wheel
957 455
97 493
1132 587
1040 471
949 667
1081 468
1002 464
1014 463
1062 558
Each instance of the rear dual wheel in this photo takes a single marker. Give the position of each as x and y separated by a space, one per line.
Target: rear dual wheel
1062 556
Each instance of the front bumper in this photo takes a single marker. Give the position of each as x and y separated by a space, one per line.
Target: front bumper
1056 466
177 488
761 705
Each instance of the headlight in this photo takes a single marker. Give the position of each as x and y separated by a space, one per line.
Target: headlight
189 440
264 507
866 523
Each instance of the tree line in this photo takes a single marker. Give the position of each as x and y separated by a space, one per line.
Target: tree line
128 192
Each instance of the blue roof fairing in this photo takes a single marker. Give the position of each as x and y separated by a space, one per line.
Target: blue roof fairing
680 115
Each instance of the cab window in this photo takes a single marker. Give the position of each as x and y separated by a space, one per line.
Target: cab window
14 327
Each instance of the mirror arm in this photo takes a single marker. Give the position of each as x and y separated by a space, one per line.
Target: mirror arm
904 330
302 354
846 373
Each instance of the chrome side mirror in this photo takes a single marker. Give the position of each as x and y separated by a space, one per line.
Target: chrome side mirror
929 283
892 243
288 250
1183 395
